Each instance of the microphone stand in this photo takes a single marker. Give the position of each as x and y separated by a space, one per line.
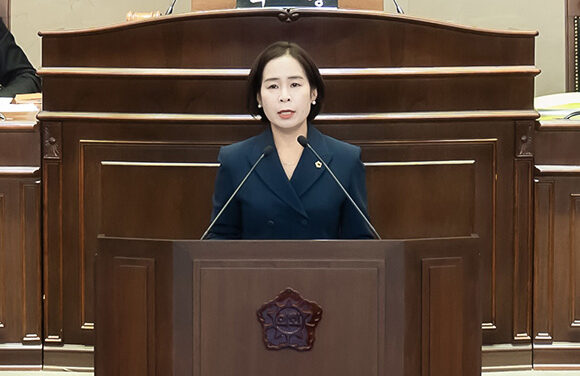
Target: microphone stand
304 142
267 151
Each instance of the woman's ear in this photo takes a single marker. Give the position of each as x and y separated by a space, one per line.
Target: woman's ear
259 100
313 94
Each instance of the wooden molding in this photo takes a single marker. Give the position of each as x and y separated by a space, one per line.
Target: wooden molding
327 73
323 118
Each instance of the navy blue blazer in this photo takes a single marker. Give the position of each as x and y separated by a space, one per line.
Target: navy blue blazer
308 206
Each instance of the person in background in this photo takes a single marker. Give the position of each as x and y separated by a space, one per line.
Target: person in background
17 75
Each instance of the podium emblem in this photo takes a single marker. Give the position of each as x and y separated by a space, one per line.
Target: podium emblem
289 321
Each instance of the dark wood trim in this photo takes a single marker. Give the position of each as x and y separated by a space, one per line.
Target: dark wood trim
52 229
544 262
558 125
16 356
321 119
76 358
506 357
31 262
523 258
557 355
552 170
18 125
19 171
325 72
310 12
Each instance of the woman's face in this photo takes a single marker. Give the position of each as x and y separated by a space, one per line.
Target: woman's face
285 94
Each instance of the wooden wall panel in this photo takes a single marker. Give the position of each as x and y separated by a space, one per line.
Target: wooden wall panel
567 191
544 261
436 210
137 328
441 302
232 39
11 278
356 349
130 195
19 146
556 282
558 200
442 293
52 229
20 282
3 285
31 263
20 249
523 241
134 303
575 260
190 93
450 189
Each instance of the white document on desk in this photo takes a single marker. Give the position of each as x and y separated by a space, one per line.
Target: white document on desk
7 107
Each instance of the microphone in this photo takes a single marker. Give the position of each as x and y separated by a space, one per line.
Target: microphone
304 142
170 9
399 10
267 151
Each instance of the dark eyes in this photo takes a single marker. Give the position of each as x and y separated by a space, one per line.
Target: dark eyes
275 86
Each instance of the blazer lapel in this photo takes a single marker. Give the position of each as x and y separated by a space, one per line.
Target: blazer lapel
307 171
270 171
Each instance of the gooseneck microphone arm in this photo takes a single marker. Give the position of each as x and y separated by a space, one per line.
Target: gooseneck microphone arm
267 151
304 142
399 9
170 9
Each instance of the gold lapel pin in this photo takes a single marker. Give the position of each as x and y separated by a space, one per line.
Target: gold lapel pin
318 164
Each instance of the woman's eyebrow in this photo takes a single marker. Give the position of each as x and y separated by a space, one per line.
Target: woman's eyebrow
289 78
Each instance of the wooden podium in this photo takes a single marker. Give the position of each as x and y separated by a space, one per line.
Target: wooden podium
190 307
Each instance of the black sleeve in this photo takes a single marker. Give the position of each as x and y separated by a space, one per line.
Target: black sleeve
353 225
17 75
229 224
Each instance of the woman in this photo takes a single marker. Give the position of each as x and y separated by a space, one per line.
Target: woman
289 195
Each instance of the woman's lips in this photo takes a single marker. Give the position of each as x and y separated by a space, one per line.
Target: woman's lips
286 114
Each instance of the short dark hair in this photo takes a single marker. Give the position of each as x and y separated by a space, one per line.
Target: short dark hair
272 52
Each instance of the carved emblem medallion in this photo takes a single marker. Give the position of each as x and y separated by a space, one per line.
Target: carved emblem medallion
289 321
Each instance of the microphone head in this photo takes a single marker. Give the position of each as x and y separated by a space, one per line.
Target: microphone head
302 141
268 150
